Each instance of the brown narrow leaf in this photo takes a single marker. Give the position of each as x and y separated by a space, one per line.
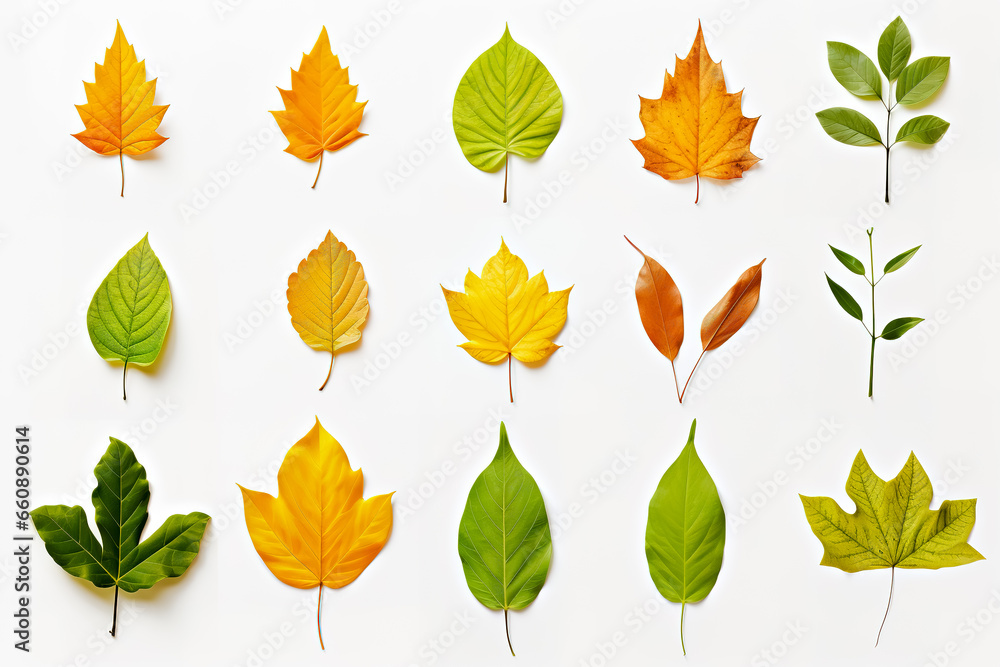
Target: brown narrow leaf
732 311
660 307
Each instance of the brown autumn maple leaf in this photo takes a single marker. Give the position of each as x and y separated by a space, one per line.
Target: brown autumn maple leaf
119 116
321 110
696 128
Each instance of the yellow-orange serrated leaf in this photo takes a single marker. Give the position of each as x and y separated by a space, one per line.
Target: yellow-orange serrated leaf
119 116
505 314
696 128
328 298
321 110
319 531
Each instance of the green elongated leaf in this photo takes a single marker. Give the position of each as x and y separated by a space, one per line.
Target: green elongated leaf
854 70
507 103
852 263
845 300
849 126
894 48
120 501
921 79
896 328
503 538
130 312
685 531
900 260
923 130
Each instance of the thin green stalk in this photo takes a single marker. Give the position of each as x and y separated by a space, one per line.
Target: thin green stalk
871 259
683 650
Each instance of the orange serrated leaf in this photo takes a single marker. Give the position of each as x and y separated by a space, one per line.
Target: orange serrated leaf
321 110
319 531
119 116
328 298
696 128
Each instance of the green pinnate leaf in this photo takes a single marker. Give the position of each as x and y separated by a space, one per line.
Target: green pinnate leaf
849 126
845 300
503 538
896 328
852 263
130 312
900 260
921 79
685 531
894 49
854 70
923 130
120 559
507 103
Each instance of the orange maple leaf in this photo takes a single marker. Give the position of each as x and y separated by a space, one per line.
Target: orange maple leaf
696 128
119 115
321 110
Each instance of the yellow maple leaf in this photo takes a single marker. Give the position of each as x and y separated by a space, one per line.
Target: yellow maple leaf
321 110
119 116
505 314
696 128
319 531
328 298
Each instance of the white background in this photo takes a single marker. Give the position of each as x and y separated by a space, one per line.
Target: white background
237 408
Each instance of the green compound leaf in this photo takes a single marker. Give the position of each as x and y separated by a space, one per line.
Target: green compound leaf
893 524
923 130
507 102
899 326
921 79
894 49
130 312
845 300
120 559
854 70
900 260
852 263
685 531
503 538
849 126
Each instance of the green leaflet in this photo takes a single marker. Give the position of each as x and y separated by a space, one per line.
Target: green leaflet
685 531
846 301
923 130
849 126
921 79
507 102
893 525
894 49
119 559
503 538
900 260
853 264
130 312
854 70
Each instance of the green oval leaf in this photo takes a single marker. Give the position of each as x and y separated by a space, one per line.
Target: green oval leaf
854 70
503 538
896 328
923 130
900 260
849 127
507 102
845 300
894 48
921 79
685 530
852 263
130 312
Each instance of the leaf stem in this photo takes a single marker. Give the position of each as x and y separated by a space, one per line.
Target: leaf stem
697 190
318 170
114 617
506 626
683 650
319 611
871 366
892 583
888 117
329 372
124 371
677 387
121 163
505 163
684 391
510 384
